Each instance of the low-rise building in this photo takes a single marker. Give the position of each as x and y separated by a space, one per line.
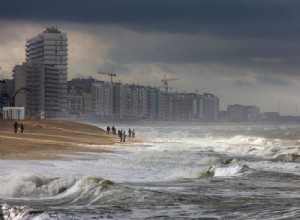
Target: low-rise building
238 112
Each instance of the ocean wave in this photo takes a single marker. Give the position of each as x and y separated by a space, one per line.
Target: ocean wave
230 171
228 167
19 213
288 158
33 185
39 186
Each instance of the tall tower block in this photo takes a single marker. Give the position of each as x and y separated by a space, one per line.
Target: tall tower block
51 48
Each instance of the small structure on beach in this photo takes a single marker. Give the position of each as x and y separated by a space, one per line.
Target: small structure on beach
13 113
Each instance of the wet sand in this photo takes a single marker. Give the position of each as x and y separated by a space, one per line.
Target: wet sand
52 139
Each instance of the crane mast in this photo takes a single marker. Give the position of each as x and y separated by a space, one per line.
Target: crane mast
165 82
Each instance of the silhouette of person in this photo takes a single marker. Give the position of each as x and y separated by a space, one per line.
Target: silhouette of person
21 127
16 125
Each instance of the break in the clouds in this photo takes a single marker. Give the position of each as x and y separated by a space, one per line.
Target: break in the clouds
245 52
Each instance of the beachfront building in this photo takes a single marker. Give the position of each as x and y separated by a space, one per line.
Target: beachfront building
140 102
151 103
210 107
87 104
75 103
238 112
165 106
182 106
135 102
37 89
80 103
80 99
51 48
7 88
252 112
102 99
124 102
198 107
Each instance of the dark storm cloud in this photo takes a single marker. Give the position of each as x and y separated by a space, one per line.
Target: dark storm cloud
250 33
242 17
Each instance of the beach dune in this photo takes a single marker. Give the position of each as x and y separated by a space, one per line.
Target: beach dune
51 139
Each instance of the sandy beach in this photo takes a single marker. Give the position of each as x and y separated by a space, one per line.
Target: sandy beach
52 139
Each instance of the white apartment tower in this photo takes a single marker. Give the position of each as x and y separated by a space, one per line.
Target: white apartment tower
51 48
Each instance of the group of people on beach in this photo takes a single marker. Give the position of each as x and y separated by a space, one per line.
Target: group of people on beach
18 127
121 133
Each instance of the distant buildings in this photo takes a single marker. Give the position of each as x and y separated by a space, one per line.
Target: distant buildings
242 113
118 101
79 98
210 107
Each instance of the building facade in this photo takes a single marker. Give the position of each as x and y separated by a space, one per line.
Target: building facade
238 112
210 107
51 48
37 89
135 102
7 88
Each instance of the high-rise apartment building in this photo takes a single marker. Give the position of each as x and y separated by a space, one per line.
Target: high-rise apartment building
51 48
103 99
210 107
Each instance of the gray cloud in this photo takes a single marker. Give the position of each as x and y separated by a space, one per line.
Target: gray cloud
272 80
243 83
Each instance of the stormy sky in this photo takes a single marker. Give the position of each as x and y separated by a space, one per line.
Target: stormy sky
243 51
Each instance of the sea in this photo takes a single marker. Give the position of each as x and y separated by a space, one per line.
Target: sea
180 171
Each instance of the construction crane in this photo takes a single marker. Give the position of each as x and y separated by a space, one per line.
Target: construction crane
165 82
110 74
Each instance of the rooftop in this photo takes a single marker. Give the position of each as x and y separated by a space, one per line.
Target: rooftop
52 29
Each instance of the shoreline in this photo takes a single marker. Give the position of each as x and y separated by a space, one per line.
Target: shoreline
53 139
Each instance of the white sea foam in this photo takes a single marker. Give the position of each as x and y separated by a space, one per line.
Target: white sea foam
33 185
229 171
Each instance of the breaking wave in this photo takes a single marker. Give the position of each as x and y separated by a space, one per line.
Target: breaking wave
229 167
39 186
288 158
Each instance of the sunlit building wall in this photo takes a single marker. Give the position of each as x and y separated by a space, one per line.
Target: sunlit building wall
102 99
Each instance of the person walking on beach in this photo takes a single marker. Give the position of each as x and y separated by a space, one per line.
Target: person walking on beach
113 129
133 133
120 135
129 132
108 129
21 128
124 135
16 125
